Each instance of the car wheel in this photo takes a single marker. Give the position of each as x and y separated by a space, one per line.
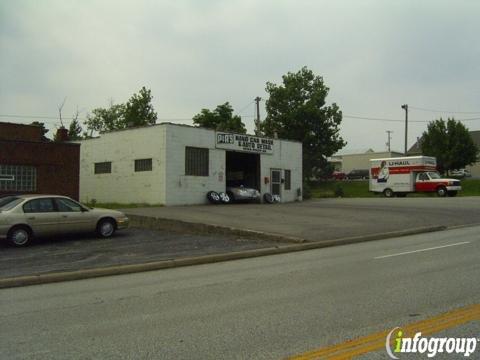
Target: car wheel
106 228
268 198
442 191
388 193
20 236
225 198
213 197
452 193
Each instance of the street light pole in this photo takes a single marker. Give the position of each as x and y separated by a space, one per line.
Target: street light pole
405 107
389 132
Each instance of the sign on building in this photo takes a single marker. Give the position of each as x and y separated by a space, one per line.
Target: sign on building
245 143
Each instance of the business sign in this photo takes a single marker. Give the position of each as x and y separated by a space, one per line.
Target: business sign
245 143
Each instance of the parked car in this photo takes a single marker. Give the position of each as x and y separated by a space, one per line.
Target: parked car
242 193
338 175
24 216
460 173
358 174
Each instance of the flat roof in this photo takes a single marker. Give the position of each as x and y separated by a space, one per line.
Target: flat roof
186 126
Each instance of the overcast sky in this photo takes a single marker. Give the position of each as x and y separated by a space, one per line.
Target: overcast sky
373 55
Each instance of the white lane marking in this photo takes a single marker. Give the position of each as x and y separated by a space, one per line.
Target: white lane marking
421 250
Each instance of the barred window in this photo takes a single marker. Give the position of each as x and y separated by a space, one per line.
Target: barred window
288 179
196 161
103 167
18 178
143 165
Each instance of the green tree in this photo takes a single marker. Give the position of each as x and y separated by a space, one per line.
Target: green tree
297 110
137 111
221 119
450 142
75 130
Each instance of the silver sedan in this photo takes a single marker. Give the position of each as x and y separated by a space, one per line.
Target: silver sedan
24 216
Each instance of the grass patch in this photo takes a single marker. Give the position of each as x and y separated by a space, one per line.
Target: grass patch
120 206
359 189
330 189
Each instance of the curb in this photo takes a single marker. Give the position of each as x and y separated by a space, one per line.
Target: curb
205 259
188 227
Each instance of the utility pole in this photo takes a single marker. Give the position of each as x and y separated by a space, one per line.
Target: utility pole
405 107
389 132
257 119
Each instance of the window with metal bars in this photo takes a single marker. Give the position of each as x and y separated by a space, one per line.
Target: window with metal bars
103 167
196 161
288 179
143 165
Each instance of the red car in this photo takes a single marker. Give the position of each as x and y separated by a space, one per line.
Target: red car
338 175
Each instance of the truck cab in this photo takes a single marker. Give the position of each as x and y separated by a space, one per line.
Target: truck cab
431 181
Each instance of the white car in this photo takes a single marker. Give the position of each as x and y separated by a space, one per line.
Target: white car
460 173
24 216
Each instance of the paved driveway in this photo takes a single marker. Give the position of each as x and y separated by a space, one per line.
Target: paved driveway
325 219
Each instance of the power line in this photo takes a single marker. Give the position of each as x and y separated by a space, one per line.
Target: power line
53 119
245 107
444 111
399 120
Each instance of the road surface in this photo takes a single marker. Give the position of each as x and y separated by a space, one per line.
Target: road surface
262 308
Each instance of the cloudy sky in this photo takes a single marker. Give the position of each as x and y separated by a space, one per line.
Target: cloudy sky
374 55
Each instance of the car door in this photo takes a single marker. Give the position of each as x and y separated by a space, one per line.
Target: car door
422 182
42 216
73 217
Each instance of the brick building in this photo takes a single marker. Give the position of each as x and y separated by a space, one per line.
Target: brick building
30 164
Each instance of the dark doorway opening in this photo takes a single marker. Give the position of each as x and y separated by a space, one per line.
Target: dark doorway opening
243 169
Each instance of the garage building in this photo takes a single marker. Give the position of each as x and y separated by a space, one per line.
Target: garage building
171 164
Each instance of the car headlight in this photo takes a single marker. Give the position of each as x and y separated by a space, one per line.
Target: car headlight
122 219
243 192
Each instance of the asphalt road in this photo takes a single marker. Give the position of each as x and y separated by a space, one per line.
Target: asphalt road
129 246
326 219
261 308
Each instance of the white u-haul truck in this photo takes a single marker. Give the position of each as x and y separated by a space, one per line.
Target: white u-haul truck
403 175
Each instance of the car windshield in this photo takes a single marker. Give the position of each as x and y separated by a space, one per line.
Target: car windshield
434 175
9 202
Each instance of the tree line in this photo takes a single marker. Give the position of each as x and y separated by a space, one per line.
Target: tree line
296 109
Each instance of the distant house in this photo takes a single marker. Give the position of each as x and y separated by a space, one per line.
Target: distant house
474 169
348 160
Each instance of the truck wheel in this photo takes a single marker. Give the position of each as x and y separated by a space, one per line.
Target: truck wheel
442 191
452 193
388 193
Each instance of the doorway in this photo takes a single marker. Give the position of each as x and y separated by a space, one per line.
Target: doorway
242 169
276 181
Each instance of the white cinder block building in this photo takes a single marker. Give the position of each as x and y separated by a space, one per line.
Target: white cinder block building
173 164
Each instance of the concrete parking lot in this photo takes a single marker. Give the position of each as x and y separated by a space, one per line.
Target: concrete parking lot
326 219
